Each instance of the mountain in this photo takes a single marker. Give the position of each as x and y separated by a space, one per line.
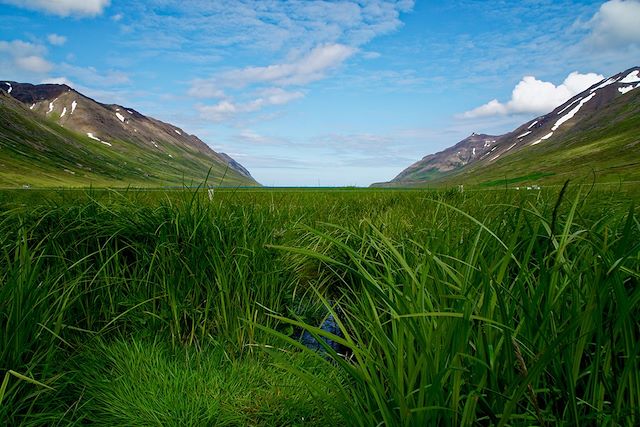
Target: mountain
595 132
52 135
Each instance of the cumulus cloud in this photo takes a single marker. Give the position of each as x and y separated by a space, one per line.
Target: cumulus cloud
63 7
56 39
616 24
535 96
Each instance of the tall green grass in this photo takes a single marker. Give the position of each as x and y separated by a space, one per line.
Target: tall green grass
521 313
496 308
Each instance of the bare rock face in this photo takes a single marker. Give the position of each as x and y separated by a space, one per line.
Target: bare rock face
469 150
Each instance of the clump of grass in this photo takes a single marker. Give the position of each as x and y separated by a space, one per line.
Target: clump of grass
134 382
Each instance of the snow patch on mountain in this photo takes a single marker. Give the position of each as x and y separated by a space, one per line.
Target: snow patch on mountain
177 131
532 124
572 113
601 85
632 77
625 89
50 107
92 136
567 107
524 134
74 104
10 88
120 117
64 111
547 136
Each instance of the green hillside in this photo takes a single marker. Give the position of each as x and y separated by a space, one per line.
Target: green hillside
38 152
607 145
594 135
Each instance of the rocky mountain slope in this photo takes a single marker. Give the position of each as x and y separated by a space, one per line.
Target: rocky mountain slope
596 131
53 135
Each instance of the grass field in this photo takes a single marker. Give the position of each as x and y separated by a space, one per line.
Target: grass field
493 307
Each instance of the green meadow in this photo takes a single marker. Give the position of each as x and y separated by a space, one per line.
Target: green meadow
491 307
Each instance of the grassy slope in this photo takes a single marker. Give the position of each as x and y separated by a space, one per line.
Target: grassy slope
608 145
40 153
488 307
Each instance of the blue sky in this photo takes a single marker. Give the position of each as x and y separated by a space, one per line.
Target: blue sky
323 92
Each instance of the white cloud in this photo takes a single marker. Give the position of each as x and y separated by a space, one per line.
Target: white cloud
270 25
202 88
304 69
221 111
616 24
21 59
491 108
91 76
56 39
21 48
535 96
117 17
251 137
226 109
34 63
63 7
307 68
314 38
371 55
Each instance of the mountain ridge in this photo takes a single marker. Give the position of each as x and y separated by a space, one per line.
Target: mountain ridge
158 146
579 115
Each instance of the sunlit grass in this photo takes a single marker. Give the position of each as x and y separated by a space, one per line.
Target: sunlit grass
154 308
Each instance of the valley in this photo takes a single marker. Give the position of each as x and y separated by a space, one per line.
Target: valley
256 213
